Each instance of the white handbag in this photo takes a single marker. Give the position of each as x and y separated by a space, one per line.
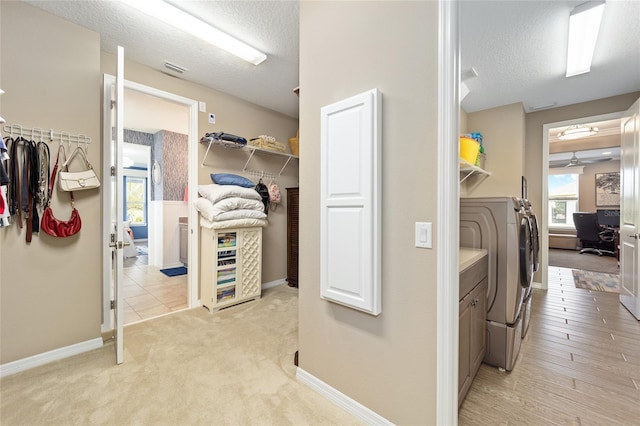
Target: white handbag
77 181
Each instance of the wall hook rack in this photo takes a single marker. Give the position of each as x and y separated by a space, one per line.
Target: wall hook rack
51 135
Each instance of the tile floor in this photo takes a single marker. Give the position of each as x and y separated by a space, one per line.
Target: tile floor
149 293
579 364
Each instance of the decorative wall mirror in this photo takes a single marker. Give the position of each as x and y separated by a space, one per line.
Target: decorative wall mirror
156 173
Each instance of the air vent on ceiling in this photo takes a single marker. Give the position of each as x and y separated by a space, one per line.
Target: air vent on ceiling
175 68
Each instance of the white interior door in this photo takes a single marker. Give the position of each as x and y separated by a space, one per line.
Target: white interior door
113 229
630 210
118 146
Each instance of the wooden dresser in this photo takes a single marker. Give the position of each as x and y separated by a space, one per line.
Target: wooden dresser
292 236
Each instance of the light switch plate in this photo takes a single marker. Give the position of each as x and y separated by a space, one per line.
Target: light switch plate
424 235
202 106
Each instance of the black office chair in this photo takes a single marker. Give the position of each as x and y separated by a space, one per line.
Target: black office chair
594 238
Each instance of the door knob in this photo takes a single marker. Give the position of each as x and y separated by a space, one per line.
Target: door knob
119 244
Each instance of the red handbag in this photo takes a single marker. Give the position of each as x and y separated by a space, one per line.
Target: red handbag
58 228
49 223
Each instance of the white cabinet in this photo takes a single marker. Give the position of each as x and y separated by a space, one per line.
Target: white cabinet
230 266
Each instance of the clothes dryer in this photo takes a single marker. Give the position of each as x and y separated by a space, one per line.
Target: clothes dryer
501 226
535 255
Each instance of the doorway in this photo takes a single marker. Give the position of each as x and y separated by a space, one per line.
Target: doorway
581 158
158 126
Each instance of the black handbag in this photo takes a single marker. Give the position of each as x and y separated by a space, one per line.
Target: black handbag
262 189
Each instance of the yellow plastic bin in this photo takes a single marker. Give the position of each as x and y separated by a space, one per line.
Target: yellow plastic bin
469 149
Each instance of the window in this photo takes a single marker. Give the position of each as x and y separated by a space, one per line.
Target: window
563 199
135 200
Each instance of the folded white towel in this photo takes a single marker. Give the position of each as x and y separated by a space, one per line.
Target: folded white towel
215 193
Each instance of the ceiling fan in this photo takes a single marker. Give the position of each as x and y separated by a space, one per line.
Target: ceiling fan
575 161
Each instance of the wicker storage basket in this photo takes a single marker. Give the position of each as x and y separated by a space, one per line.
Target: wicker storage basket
294 144
268 143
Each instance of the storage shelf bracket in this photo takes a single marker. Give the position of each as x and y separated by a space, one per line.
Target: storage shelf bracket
469 170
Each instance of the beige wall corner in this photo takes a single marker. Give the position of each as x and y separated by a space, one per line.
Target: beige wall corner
386 363
51 288
503 130
463 122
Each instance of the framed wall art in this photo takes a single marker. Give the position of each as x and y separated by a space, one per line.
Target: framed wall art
608 189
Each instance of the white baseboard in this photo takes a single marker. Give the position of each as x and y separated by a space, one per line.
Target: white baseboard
273 283
354 407
537 285
47 357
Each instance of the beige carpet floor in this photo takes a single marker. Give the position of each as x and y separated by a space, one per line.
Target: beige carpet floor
233 367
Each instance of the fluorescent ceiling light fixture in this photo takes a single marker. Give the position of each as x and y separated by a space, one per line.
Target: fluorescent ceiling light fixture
194 26
577 132
584 23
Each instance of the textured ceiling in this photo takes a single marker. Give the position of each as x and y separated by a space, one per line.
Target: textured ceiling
517 47
269 26
519 50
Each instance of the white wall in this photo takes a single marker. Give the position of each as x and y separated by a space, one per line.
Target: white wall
164 232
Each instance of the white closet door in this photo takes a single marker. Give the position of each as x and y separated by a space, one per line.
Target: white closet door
350 262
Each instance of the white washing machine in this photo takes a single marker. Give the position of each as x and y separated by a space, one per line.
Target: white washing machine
501 225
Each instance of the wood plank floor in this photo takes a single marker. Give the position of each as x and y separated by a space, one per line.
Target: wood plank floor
579 364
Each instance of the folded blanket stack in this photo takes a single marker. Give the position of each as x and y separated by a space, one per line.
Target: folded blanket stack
229 206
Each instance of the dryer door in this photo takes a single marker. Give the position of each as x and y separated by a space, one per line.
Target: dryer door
526 257
535 241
